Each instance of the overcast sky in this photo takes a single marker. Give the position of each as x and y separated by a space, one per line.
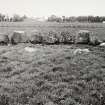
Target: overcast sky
48 7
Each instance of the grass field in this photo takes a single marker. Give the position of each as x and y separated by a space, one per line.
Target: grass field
53 74
96 28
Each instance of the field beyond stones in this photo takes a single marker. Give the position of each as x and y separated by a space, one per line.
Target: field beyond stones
52 74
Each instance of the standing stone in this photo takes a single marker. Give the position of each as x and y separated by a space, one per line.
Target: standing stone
83 37
50 38
4 39
19 37
36 37
94 40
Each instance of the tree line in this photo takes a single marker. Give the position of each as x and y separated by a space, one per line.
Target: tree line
14 18
90 19
54 18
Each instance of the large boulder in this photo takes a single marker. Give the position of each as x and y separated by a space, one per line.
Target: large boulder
80 51
66 38
102 44
4 39
83 37
19 37
30 49
50 38
36 37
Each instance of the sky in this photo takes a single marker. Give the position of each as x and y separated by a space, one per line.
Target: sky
40 8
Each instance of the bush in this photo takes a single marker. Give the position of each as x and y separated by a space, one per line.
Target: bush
67 38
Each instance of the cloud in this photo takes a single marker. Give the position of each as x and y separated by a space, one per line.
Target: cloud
49 7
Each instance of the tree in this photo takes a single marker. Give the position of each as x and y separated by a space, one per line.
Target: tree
16 18
2 17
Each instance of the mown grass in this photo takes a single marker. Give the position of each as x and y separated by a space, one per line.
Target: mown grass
53 75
